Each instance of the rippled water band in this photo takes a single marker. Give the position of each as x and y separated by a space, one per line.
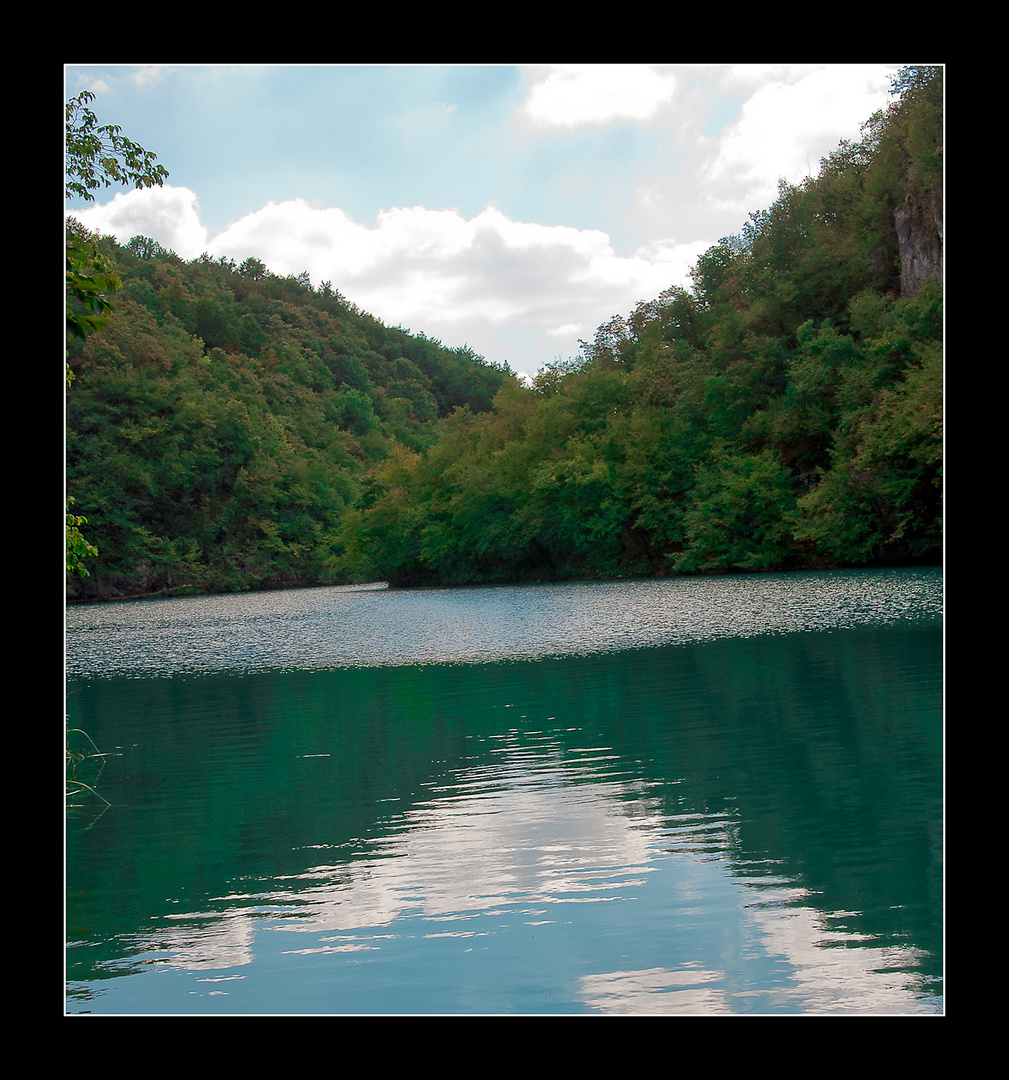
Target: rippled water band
352 626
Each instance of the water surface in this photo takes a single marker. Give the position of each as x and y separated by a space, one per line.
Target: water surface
696 796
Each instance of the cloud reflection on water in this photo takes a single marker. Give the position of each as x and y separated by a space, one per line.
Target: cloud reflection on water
534 836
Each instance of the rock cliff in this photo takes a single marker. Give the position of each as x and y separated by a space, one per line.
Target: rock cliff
919 233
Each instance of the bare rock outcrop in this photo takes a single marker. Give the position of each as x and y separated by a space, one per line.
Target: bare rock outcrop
919 233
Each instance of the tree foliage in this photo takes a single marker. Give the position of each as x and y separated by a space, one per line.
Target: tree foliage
90 277
94 156
97 156
223 424
100 156
77 547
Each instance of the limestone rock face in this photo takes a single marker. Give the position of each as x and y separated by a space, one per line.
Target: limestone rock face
919 233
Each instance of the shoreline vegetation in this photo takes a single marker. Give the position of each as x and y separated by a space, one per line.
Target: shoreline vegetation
189 591
229 429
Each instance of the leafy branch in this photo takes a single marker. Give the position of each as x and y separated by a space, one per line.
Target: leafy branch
89 274
77 547
103 156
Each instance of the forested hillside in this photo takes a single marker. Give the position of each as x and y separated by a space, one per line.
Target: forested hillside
225 419
230 429
785 412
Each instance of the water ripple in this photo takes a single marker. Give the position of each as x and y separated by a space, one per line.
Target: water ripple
352 626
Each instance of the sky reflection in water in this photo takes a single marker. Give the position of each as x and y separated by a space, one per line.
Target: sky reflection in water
530 855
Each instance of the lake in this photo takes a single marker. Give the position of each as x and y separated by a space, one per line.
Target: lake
682 796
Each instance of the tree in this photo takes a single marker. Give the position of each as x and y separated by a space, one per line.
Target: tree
94 156
253 269
146 248
741 516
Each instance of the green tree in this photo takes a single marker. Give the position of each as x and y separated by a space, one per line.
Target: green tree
253 269
97 156
94 157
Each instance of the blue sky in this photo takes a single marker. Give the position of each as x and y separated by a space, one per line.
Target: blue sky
511 208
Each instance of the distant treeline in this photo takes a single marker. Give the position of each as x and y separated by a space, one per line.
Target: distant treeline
231 429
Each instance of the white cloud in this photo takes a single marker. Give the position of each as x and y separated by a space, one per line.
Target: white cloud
578 95
170 215
522 291
482 281
146 75
787 126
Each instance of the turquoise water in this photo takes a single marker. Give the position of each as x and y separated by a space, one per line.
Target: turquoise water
703 796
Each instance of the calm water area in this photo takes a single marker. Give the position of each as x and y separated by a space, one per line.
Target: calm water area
683 796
